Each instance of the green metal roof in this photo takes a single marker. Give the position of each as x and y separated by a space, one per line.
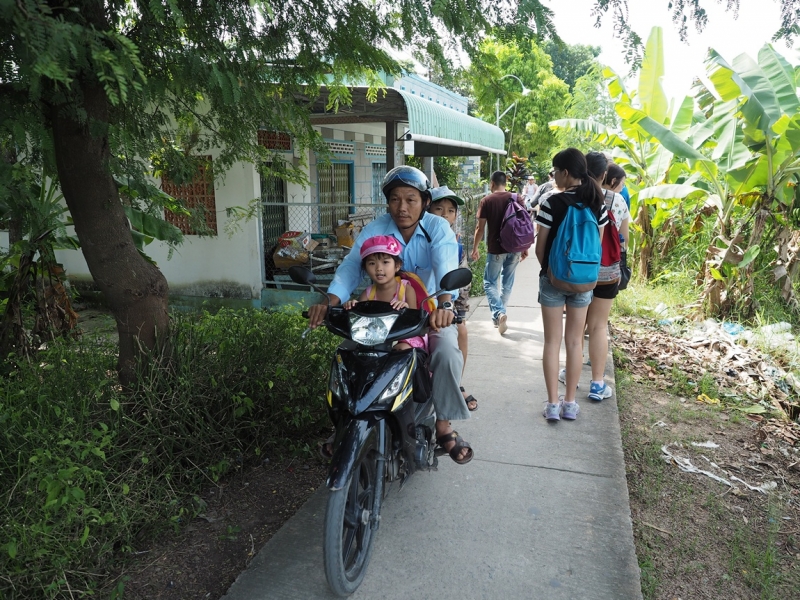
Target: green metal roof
446 132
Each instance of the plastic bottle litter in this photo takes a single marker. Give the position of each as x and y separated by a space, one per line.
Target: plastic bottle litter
661 310
733 329
773 328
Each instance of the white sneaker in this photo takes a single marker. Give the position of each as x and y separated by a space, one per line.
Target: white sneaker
562 377
502 326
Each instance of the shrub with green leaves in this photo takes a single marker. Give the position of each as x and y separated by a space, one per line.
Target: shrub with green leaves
477 267
88 469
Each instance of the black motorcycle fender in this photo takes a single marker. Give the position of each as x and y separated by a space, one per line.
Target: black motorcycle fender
359 435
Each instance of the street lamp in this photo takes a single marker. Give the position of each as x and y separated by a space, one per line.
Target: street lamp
499 115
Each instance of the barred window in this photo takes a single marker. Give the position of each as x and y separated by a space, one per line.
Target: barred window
197 196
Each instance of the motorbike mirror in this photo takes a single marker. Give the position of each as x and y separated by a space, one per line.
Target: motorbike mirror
306 277
302 275
456 279
452 280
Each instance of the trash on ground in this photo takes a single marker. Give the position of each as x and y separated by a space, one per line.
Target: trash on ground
708 444
685 465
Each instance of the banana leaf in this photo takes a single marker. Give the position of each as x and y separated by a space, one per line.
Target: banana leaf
762 104
153 227
652 98
683 119
672 191
781 77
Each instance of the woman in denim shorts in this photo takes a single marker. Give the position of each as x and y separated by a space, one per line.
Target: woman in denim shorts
571 175
611 177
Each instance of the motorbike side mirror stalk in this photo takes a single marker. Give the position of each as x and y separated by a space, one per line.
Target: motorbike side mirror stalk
452 280
305 276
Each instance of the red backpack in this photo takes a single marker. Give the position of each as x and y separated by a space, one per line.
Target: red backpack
612 250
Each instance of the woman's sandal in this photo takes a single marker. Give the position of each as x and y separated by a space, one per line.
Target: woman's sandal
459 445
469 399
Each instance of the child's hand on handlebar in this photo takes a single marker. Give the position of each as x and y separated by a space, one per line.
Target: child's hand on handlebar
349 304
399 304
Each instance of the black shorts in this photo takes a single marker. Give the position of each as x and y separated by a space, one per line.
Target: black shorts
607 291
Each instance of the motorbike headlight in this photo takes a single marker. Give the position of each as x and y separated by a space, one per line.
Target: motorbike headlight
370 331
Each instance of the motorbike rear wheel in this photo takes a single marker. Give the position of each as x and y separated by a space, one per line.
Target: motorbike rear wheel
347 541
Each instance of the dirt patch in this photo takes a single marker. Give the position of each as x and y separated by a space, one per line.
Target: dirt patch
239 516
695 536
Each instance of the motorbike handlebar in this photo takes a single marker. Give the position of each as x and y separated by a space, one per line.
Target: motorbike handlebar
457 319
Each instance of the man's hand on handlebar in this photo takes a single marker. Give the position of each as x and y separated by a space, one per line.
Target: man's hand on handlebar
316 315
317 312
441 318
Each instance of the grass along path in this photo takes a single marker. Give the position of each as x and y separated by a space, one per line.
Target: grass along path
696 537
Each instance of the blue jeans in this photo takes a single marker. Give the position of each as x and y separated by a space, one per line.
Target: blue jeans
498 265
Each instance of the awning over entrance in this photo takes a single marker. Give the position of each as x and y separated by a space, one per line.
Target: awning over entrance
434 129
440 131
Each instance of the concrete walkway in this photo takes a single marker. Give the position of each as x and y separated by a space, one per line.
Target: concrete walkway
541 512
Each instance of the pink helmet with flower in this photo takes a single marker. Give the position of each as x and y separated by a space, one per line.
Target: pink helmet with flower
381 244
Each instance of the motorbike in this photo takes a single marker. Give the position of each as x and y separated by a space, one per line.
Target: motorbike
380 404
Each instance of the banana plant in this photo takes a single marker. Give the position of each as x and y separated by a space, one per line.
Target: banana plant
30 268
751 132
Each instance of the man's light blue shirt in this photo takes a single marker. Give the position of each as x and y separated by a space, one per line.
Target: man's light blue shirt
429 260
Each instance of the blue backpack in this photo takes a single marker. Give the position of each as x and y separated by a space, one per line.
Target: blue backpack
574 262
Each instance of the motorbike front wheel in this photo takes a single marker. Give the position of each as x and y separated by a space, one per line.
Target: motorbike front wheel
347 542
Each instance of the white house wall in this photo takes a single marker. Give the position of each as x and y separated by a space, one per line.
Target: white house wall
231 266
222 266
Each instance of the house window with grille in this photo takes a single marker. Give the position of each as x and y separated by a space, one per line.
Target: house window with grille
197 196
378 173
334 185
275 140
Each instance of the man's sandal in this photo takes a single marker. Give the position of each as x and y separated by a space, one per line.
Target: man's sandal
326 448
469 399
459 445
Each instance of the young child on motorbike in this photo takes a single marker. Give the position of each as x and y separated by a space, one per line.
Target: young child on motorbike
445 203
380 260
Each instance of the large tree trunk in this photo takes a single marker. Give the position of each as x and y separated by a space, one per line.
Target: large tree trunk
136 291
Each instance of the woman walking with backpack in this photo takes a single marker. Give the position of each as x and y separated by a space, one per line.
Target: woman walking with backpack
612 178
581 206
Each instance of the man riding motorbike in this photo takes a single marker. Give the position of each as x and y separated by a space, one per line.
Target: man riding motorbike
430 250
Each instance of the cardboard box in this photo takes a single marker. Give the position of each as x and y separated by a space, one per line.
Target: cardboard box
299 240
284 259
346 234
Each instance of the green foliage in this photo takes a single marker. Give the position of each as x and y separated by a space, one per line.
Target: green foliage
590 100
88 470
447 169
478 267
571 62
527 123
